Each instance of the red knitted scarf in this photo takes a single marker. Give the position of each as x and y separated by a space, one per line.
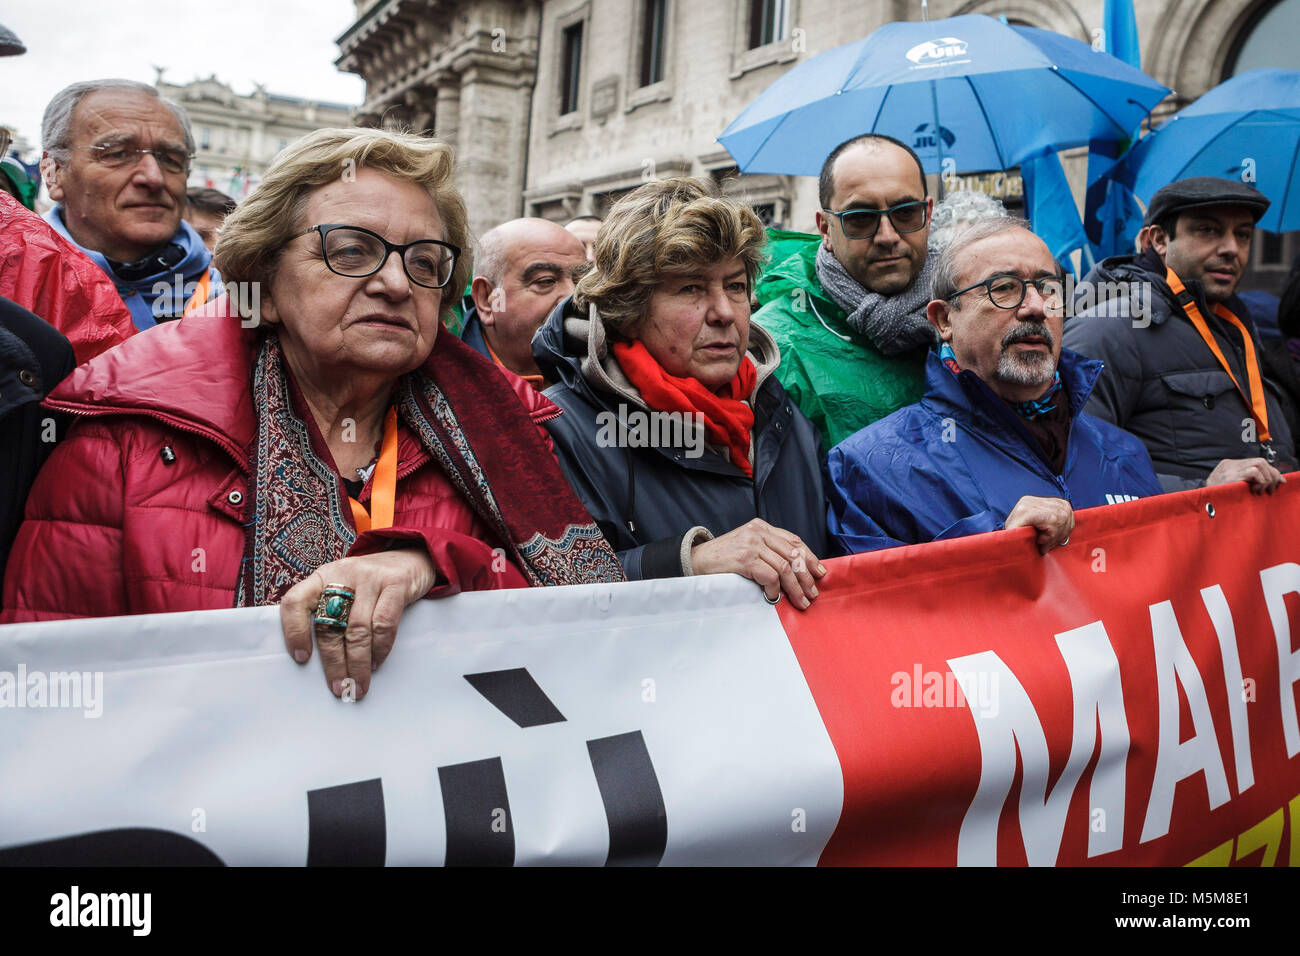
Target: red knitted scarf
727 417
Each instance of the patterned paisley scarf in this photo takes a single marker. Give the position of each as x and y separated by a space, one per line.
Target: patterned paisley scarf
473 426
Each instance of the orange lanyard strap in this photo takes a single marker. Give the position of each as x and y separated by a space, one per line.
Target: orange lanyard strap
1255 400
383 483
200 296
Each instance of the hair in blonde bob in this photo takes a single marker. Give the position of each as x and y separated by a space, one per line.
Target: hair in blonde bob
253 236
667 227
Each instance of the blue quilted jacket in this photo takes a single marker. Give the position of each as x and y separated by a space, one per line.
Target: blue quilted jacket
957 462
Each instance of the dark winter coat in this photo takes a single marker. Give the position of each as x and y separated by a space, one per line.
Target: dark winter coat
34 358
647 499
1161 382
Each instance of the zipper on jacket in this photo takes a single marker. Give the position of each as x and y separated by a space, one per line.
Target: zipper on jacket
215 437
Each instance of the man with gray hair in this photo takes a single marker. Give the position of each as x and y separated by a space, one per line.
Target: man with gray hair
523 269
116 156
999 440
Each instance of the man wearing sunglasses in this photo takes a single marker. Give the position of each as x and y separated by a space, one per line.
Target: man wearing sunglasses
116 157
999 441
848 311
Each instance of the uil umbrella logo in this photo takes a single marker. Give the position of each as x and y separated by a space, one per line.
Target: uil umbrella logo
923 137
936 51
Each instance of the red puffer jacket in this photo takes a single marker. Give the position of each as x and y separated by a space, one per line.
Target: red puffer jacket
47 275
115 526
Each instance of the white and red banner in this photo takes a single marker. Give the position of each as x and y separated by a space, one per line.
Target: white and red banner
1129 699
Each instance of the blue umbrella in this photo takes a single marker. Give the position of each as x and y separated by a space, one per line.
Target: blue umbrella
986 94
1246 128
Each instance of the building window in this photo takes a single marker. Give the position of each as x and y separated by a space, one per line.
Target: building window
1265 40
1270 251
769 21
654 29
602 203
571 68
205 137
724 176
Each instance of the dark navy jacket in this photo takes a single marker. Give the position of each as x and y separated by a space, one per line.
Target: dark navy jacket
471 332
646 499
957 462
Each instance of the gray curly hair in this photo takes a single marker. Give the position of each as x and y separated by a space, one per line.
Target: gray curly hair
959 209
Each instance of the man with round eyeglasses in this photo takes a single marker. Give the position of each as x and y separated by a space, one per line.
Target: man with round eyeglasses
116 157
848 310
999 440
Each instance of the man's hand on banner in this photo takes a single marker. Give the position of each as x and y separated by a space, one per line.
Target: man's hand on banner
773 558
1258 473
1053 517
385 584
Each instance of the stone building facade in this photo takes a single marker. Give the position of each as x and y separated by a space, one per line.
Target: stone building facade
557 107
238 135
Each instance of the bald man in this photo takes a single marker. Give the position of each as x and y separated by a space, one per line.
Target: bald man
585 228
523 269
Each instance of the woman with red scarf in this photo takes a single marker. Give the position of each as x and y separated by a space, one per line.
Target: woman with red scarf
675 434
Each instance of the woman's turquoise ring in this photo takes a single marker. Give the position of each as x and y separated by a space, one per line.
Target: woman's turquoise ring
333 608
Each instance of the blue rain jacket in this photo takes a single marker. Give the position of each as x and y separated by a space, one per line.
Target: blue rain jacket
957 462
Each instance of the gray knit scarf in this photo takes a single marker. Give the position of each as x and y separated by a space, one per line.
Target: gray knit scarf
893 324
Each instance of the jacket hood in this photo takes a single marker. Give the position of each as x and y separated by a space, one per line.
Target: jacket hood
193 372
139 294
573 349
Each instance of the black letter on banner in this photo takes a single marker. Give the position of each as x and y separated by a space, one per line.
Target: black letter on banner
471 794
516 694
346 826
634 804
129 846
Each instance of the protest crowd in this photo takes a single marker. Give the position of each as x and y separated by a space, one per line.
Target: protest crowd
658 393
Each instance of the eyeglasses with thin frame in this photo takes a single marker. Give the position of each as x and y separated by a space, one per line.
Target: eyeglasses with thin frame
356 252
1008 291
115 157
865 223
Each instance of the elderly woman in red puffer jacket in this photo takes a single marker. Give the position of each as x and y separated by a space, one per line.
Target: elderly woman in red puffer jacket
339 457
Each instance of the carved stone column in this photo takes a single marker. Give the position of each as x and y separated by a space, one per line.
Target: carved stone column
447 111
494 109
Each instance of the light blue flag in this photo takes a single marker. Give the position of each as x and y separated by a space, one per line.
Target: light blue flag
1050 208
1117 215
1121 34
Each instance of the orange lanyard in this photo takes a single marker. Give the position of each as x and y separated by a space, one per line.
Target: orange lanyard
1256 398
383 483
200 296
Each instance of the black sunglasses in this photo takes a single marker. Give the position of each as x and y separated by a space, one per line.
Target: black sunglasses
865 223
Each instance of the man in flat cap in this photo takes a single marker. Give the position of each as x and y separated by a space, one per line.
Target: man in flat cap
1183 371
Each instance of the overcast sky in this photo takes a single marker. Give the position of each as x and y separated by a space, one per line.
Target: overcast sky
288 45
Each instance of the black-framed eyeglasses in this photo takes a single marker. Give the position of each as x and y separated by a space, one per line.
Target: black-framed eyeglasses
115 157
355 252
865 223
1008 291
